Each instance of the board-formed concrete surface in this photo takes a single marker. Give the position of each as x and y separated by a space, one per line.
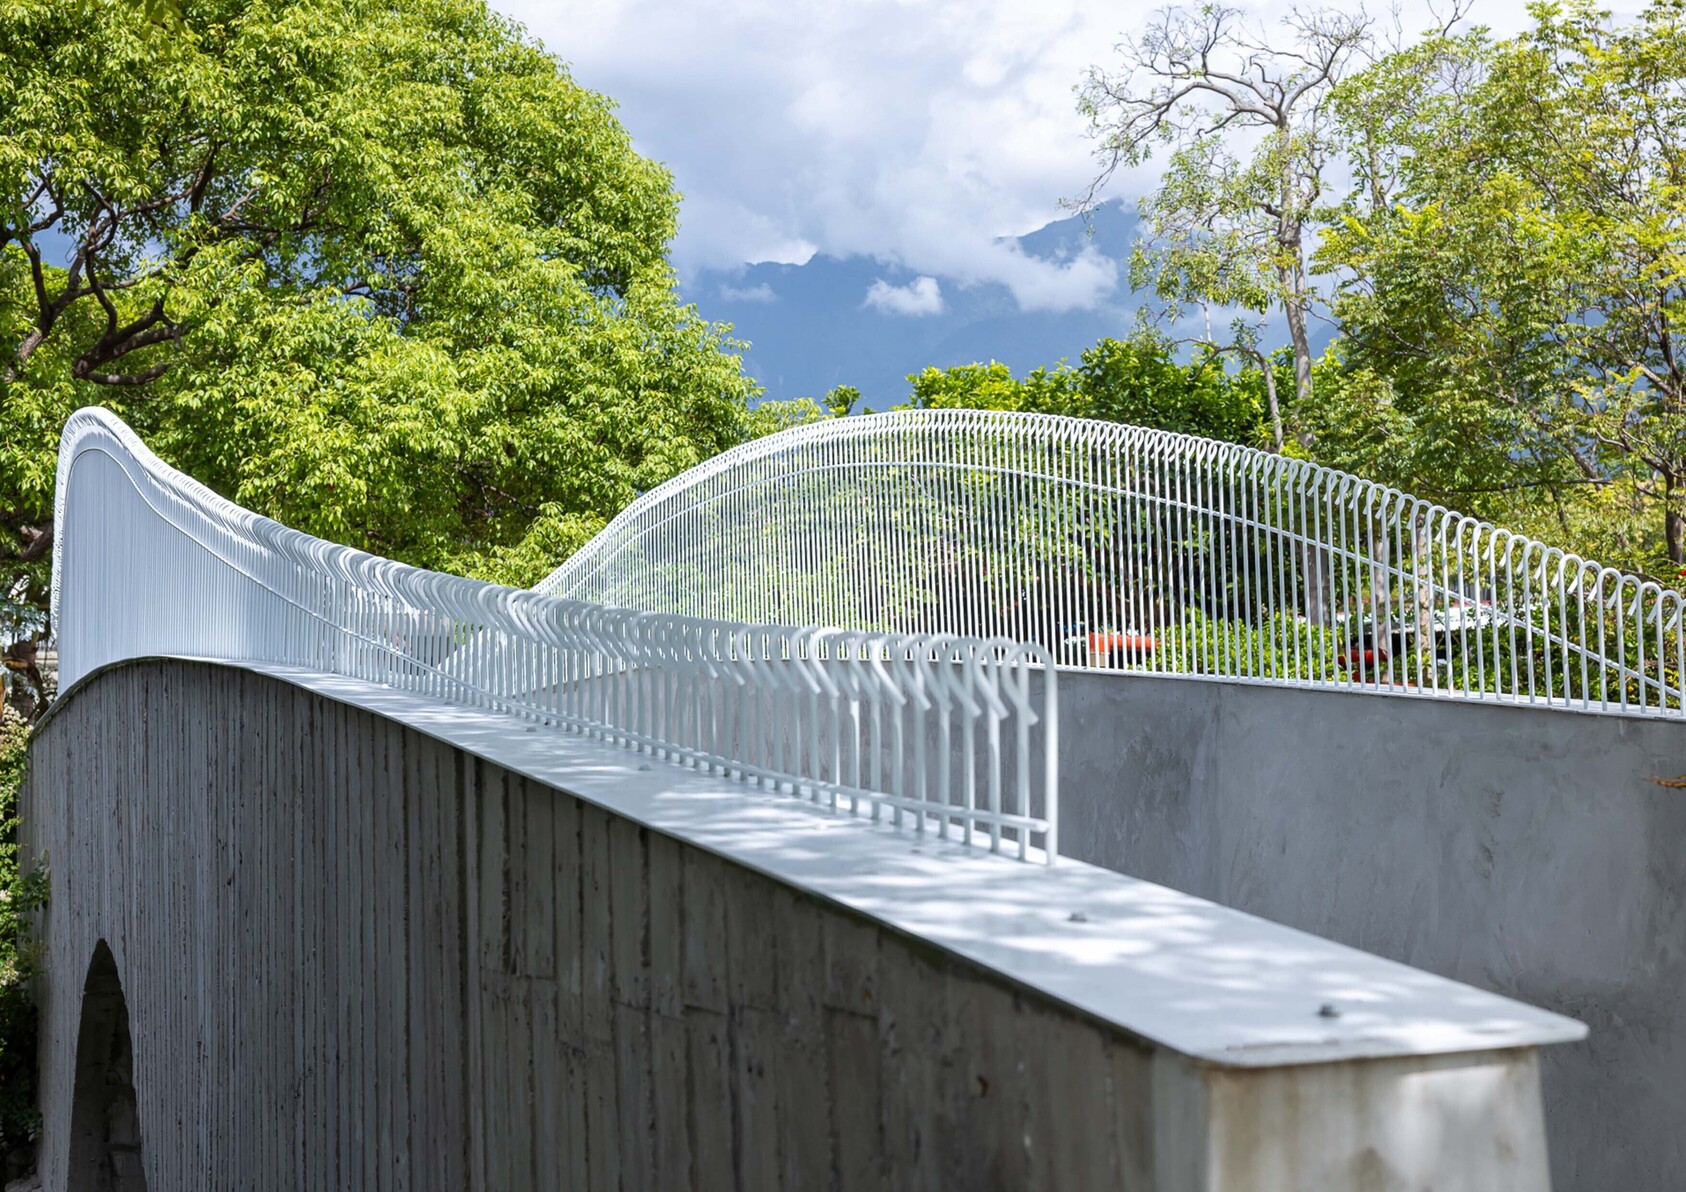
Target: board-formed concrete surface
1525 851
296 941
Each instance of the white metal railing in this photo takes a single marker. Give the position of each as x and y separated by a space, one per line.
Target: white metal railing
938 733
1116 546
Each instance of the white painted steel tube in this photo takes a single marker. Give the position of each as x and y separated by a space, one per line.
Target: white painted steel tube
150 562
1114 546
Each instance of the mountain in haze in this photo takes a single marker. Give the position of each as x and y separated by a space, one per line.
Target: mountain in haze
811 326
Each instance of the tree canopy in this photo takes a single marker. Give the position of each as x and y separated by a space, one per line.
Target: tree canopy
382 271
1246 121
1510 269
1137 380
1499 224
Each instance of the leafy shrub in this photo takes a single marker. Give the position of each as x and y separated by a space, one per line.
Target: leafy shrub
20 894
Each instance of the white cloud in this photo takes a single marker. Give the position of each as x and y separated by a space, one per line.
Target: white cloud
707 217
760 293
921 296
1082 283
913 131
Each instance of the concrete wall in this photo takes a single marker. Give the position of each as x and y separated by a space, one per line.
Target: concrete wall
1526 852
348 955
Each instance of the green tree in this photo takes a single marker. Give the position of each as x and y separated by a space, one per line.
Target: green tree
381 271
1136 380
992 386
841 400
20 896
1512 273
773 415
1246 121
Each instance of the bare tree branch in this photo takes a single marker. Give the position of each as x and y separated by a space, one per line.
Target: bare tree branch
1193 79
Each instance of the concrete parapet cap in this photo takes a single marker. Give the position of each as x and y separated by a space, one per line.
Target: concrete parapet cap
1213 984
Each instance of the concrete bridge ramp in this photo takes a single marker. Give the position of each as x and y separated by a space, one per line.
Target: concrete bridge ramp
310 933
1531 852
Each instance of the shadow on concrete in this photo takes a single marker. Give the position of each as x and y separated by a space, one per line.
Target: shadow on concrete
105 1142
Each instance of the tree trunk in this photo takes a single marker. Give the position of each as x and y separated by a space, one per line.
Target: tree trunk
1674 525
25 350
1275 404
1317 608
1314 578
24 688
1292 278
1294 305
1290 268
1378 200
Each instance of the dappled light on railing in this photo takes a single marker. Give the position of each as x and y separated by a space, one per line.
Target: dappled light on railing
935 733
1114 546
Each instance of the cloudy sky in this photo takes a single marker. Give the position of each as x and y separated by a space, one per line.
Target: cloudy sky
916 132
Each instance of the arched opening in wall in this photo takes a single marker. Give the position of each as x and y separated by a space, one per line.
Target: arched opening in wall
105 1141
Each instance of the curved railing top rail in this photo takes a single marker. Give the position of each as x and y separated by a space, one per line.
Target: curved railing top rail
1128 547
1071 431
939 733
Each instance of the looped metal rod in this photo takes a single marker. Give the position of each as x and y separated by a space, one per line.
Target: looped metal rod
1119 547
149 562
